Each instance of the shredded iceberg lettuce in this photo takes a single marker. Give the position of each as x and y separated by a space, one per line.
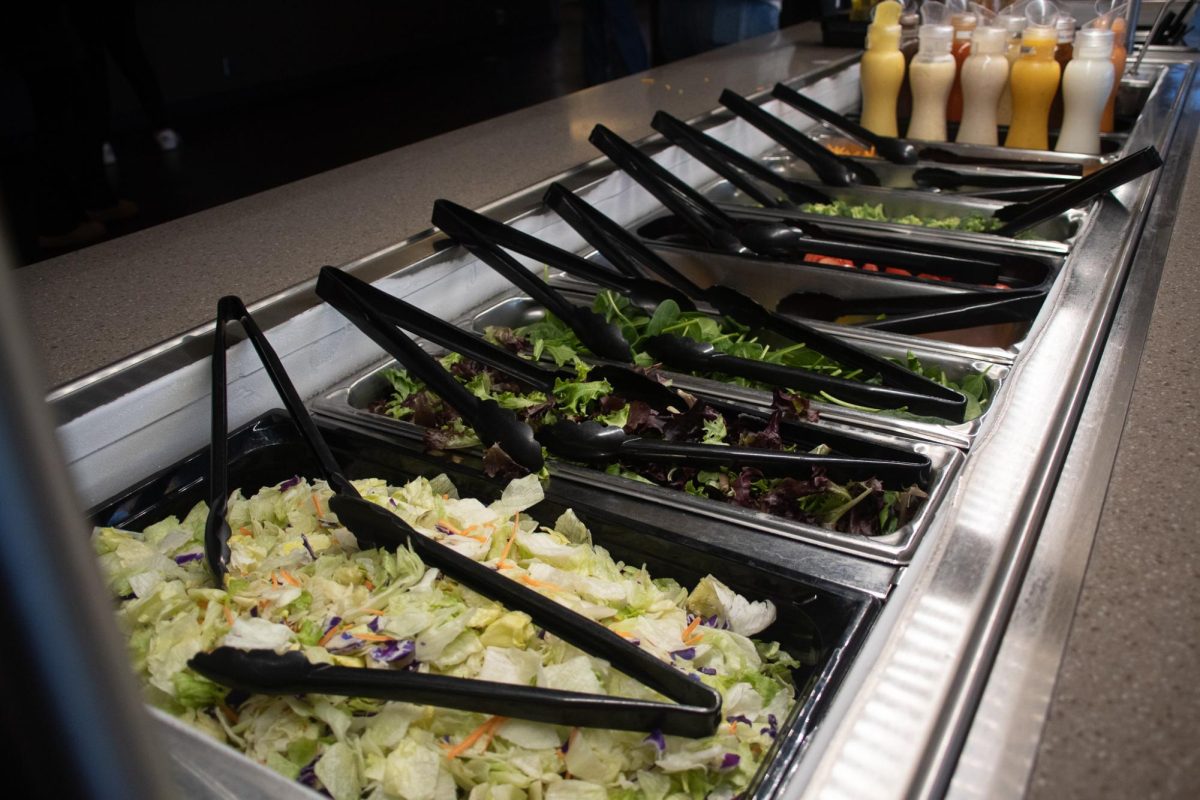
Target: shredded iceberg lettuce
298 581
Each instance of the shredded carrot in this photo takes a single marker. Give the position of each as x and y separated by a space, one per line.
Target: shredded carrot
528 581
317 504
229 713
367 583
372 637
689 630
733 727
329 634
375 611
491 734
244 531
512 538
472 737
229 616
288 577
625 634
274 580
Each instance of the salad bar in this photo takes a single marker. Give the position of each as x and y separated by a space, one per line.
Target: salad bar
700 470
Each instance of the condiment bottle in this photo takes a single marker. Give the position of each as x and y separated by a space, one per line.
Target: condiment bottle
882 71
1034 79
984 76
910 20
1062 54
1086 84
964 23
1114 20
931 75
1013 22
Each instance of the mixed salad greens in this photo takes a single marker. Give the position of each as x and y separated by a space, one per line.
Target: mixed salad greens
298 582
861 507
975 223
553 338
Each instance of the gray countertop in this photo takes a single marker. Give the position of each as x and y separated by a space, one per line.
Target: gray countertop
95 306
1122 718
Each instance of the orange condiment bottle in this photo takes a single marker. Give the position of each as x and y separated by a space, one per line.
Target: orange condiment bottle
1035 79
964 25
1117 26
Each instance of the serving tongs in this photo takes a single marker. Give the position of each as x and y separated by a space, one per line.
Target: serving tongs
898 151
592 441
737 168
695 713
770 238
901 389
831 169
917 315
1021 216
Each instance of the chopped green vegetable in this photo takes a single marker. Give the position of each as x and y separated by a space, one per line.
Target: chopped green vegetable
975 223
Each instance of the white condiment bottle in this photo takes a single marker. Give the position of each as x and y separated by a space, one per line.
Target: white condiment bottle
1086 83
984 75
1013 22
931 75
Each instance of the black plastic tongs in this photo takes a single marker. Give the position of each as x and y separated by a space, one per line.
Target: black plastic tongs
831 169
902 389
769 238
735 167
696 712
1020 216
898 151
592 441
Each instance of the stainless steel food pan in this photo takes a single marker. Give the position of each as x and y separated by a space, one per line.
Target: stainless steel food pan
354 400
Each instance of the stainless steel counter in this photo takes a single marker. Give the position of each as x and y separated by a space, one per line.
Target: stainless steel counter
972 569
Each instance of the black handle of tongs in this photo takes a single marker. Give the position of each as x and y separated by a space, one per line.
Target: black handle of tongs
988 310
895 150
698 717
493 424
597 335
734 166
700 214
263 672
405 315
1019 216
832 169
881 397
216 531
530 246
621 248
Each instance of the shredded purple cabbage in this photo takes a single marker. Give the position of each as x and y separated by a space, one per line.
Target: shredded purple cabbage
308 547
657 739
730 761
373 625
687 653
188 557
289 483
707 670
740 718
398 654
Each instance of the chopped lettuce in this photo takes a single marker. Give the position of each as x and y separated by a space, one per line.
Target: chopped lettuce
976 223
300 583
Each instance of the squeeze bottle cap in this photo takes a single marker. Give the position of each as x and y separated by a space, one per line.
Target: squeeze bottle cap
1041 14
1013 19
989 41
1093 43
935 39
935 13
884 31
1065 25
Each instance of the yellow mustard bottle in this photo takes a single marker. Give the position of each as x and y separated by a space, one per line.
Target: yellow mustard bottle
882 70
1034 80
